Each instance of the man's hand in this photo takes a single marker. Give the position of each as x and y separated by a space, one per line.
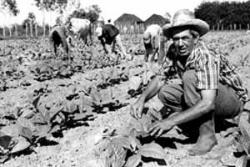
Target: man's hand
136 109
160 127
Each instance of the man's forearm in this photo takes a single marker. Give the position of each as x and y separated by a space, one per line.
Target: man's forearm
201 108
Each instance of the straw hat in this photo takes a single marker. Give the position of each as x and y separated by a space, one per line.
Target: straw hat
183 18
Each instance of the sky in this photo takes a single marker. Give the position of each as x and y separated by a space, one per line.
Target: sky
111 9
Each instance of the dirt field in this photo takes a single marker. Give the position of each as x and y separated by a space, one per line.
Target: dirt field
63 112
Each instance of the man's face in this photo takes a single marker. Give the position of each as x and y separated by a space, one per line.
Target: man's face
184 42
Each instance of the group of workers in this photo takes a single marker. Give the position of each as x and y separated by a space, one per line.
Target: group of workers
199 86
81 29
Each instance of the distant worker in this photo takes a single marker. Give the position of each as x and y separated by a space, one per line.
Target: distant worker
60 35
81 28
153 43
57 37
109 34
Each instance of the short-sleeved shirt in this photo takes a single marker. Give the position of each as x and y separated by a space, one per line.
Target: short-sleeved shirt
210 67
109 32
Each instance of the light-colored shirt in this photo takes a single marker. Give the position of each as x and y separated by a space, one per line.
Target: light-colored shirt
79 24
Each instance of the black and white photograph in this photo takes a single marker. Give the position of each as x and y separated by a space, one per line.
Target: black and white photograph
124 83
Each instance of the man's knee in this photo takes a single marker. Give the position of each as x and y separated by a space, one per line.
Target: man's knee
167 95
227 102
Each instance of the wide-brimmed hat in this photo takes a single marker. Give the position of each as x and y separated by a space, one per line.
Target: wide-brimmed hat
146 37
185 18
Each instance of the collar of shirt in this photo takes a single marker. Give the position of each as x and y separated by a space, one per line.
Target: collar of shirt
195 56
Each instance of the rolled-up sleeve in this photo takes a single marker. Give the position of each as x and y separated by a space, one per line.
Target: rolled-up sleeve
207 70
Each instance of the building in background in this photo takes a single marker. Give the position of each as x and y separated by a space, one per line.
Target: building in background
129 24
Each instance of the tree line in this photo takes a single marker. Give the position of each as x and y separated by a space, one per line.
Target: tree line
219 15
225 15
30 27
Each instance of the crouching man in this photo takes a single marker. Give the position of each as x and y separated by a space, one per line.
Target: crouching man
209 87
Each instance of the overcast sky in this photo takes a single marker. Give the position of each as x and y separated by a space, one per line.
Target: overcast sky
111 9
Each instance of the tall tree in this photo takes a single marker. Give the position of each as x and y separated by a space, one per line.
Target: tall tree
92 13
9 6
25 26
208 11
31 19
45 6
60 5
48 6
228 15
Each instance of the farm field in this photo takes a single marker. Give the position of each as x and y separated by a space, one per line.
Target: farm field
74 111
